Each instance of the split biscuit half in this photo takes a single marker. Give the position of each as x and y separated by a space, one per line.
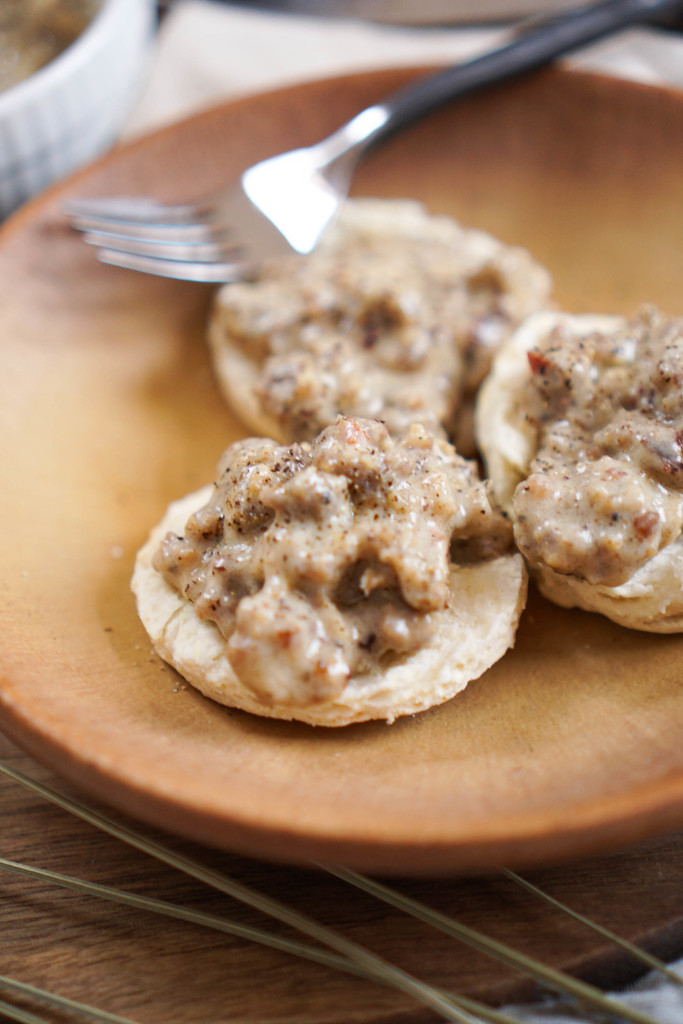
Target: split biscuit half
383 582
651 599
395 316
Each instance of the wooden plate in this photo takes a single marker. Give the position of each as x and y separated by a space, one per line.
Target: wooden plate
571 744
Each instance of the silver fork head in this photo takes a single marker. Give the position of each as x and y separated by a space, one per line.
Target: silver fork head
186 241
280 206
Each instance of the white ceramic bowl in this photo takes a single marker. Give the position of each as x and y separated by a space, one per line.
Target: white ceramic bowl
72 108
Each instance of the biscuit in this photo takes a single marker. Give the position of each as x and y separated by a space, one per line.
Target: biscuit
395 316
384 600
651 599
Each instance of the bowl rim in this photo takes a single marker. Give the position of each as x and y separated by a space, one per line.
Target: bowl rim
77 54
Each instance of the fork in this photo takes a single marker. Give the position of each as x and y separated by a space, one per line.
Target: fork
284 204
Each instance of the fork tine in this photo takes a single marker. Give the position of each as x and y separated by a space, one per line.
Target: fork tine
191 252
137 209
179 270
152 232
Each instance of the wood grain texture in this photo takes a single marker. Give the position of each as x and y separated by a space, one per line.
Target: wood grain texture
571 744
158 971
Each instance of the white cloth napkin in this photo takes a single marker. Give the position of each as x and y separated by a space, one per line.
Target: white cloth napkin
208 52
652 995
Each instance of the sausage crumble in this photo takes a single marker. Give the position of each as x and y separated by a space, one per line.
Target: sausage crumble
381 326
605 490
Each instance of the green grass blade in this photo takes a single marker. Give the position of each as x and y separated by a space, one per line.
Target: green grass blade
196 917
61 1001
202 919
640 954
21 1016
555 980
445 1004
354 958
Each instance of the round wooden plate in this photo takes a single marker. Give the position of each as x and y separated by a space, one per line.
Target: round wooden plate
571 744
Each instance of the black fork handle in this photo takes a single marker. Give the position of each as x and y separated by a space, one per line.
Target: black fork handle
535 47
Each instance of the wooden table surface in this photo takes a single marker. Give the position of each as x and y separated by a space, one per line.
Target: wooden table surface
154 969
